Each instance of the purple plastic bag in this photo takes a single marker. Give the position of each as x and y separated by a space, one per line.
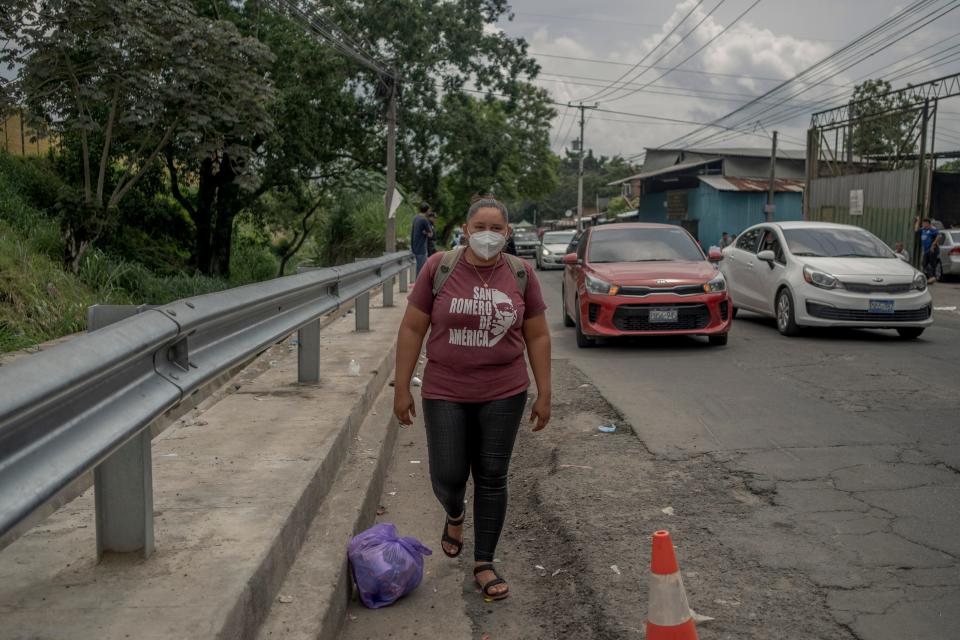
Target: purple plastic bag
385 566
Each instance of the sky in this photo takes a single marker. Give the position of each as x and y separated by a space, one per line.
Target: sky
772 41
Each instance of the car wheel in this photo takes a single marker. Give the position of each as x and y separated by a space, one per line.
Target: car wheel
719 340
910 333
583 341
786 320
567 320
938 271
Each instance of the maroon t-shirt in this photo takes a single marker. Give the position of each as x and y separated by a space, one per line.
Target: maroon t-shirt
475 349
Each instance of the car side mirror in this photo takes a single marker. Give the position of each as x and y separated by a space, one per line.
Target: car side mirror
571 258
715 255
767 256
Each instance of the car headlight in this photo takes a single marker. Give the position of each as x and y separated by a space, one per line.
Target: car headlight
545 252
920 282
820 279
716 285
600 287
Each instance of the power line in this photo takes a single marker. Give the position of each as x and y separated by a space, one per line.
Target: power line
707 44
334 35
693 71
846 53
663 40
881 27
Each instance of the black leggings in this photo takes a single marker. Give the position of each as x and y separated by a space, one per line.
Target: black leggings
478 437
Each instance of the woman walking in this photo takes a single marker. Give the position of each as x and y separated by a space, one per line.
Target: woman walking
483 309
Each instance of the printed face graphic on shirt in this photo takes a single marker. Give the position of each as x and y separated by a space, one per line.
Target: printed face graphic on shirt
496 315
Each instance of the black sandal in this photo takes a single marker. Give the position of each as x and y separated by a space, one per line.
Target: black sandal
486 587
452 541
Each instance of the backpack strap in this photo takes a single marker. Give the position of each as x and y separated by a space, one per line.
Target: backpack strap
450 259
519 268
447 264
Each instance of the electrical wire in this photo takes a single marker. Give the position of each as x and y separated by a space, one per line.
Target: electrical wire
693 71
809 70
692 55
607 95
847 57
597 94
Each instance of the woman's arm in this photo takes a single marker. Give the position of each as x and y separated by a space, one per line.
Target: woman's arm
536 333
413 328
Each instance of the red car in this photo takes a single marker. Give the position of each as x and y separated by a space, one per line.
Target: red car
643 279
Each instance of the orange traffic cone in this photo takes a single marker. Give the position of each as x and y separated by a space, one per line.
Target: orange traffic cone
669 616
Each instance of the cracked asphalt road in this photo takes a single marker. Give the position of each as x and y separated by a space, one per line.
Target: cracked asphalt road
848 445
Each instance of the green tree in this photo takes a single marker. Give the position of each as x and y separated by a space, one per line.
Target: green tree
952 166
125 79
443 50
886 125
319 119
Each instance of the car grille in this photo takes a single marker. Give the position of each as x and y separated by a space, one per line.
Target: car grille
593 311
681 290
869 287
724 310
858 315
636 317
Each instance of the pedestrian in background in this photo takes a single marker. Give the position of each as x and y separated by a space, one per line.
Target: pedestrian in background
901 252
483 310
511 246
725 240
432 238
419 235
929 247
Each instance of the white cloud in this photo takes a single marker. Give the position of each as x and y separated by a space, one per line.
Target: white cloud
745 50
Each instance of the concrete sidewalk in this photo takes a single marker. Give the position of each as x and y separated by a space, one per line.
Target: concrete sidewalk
236 489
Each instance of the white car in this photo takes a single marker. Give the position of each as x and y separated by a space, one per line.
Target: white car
819 274
553 246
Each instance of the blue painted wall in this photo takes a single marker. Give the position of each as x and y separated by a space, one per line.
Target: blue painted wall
719 211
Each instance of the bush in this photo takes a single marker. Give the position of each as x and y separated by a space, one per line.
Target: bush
38 300
250 259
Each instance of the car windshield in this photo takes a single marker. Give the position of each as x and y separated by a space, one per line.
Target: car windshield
558 237
836 243
643 245
525 235
954 235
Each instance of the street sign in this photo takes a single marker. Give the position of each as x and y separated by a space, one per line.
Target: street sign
395 203
856 202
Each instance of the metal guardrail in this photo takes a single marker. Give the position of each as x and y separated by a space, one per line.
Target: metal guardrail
86 404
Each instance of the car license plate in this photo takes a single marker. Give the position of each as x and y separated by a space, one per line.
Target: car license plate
881 306
662 315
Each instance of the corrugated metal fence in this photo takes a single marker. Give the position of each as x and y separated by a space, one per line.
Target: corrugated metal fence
889 202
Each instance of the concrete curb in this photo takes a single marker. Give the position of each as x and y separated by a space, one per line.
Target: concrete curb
319 580
252 609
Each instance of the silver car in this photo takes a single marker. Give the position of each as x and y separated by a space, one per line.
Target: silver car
553 246
819 274
949 262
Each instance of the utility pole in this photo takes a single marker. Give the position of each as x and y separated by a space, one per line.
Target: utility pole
583 152
391 234
771 208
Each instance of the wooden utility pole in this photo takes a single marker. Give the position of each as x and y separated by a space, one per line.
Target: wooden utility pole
391 235
583 152
771 208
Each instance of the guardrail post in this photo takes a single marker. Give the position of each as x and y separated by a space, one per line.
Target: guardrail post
362 311
123 483
388 292
404 274
308 352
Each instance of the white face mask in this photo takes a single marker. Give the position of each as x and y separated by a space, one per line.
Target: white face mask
487 244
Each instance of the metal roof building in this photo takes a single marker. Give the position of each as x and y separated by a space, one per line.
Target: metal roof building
709 191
